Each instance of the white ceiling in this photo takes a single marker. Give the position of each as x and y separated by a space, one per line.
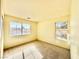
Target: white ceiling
38 10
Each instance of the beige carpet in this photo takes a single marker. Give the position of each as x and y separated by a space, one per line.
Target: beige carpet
46 50
52 52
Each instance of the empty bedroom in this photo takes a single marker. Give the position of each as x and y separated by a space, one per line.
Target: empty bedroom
40 29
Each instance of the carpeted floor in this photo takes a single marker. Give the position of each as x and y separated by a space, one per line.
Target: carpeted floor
52 52
48 51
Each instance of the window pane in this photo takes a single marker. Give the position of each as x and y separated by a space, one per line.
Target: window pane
61 25
13 28
26 29
18 27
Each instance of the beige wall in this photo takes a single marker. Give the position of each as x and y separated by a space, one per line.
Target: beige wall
75 29
0 7
0 29
10 41
46 31
0 38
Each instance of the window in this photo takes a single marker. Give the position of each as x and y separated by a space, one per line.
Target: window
19 29
62 30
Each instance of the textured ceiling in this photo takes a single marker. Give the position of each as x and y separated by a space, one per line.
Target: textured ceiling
37 10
